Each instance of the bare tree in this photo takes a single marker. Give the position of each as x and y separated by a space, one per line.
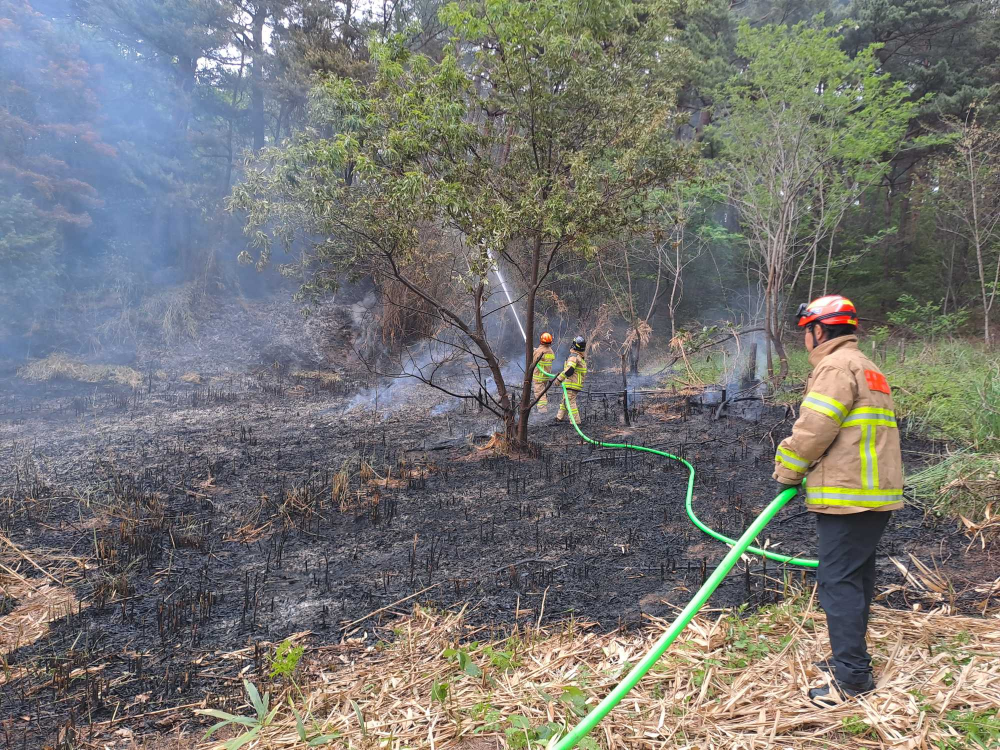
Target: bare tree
969 199
646 274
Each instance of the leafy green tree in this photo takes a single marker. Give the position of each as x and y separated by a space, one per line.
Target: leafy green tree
936 46
320 39
945 51
174 34
30 250
708 31
784 12
541 131
808 129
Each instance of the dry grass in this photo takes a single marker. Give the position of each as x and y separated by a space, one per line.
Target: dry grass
173 313
726 683
325 378
498 445
192 377
36 603
57 366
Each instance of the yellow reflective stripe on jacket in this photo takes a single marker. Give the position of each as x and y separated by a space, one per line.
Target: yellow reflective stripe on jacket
866 498
831 407
791 460
870 415
545 365
869 459
575 381
868 418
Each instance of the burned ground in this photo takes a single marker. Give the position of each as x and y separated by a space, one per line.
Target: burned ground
166 533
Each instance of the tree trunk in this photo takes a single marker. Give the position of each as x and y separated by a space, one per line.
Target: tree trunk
257 79
768 329
903 238
983 291
782 358
503 398
232 112
186 68
829 262
628 421
529 332
948 288
229 160
887 284
772 328
812 271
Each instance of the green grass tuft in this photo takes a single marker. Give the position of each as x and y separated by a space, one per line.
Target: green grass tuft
963 484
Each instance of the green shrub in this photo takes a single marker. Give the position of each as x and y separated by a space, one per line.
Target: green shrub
926 320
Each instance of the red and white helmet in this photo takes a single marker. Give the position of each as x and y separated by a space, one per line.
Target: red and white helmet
832 310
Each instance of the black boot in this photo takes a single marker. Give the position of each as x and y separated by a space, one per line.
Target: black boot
828 695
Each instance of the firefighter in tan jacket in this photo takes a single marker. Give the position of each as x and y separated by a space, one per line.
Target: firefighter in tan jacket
574 372
542 360
846 445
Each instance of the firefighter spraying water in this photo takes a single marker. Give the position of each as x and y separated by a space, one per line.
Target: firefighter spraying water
542 360
572 376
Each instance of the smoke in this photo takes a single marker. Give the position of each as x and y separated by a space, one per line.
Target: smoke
117 156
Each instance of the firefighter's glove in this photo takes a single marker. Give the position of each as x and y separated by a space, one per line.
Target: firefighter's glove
780 487
560 377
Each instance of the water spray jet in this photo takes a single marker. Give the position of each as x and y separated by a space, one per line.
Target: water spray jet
506 291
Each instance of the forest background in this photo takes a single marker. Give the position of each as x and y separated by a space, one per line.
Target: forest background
705 165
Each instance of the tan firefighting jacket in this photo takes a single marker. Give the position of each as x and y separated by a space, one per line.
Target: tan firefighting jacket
845 441
578 363
543 357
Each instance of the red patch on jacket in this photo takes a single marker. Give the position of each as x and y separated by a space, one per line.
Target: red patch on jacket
877 381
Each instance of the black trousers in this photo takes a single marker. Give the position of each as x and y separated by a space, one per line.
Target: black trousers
846 578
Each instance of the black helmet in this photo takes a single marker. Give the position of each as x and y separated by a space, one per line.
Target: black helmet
580 344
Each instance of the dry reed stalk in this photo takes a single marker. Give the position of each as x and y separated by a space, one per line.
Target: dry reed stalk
726 683
36 606
61 366
326 378
31 562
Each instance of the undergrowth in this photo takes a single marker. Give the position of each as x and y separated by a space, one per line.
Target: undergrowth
964 485
947 390
61 366
172 314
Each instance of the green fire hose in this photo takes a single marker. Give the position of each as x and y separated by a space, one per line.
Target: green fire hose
738 548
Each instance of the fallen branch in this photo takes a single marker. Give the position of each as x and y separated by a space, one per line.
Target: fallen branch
387 606
19 577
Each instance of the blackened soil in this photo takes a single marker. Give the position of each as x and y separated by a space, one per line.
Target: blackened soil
194 522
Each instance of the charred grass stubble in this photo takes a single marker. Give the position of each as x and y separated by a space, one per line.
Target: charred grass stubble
196 542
